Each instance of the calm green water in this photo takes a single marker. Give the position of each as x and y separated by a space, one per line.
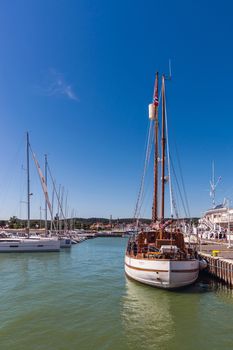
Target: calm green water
81 300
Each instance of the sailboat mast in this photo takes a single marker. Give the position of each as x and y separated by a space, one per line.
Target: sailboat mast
28 186
156 155
51 223
213 182
58 206
46 212
163 142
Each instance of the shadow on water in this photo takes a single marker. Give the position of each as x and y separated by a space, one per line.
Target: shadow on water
204 284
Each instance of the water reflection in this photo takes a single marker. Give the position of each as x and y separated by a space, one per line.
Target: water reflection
160 319
146 316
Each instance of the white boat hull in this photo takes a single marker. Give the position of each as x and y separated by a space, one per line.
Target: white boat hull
65 242
162 273
29 245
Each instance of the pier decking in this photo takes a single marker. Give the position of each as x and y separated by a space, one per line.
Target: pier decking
219 258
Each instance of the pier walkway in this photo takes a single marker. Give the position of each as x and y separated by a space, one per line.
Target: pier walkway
219 257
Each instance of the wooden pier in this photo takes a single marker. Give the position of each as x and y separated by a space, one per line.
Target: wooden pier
220 261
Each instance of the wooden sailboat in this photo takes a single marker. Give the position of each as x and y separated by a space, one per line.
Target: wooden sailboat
158 257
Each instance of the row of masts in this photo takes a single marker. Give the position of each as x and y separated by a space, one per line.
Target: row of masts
29 191
155 209
44 180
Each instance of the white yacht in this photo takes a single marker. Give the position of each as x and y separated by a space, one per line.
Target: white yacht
13 245
65 242
33 243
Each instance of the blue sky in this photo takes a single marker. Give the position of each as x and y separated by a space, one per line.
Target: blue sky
78 75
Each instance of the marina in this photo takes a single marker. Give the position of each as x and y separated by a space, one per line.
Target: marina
76 299
116 186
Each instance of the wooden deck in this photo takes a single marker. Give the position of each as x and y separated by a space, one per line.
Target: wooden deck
220 260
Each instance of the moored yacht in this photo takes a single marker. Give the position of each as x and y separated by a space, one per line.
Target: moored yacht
161 262
159 257
13 245
33 243
65 242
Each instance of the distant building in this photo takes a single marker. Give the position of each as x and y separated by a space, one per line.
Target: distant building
217 217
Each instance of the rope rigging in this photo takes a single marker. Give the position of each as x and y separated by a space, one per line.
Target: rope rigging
182 182
178 188
168 163
169 169
141 193
146 163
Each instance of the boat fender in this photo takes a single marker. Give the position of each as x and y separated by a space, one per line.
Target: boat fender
202 264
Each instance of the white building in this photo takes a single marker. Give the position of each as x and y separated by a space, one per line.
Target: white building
217 217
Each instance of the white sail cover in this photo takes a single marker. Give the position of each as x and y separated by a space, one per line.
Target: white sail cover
43 183
151 111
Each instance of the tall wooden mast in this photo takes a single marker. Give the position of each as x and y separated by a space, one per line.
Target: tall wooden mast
163 143
156 154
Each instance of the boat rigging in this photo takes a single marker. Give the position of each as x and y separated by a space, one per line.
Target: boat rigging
158 257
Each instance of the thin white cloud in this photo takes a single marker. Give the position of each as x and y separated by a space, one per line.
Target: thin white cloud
56 85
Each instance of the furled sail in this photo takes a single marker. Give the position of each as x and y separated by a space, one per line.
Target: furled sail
43 183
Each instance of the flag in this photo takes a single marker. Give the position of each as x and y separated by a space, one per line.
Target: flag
156 92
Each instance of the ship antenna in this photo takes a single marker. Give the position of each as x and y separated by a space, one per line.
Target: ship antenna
169 76
213 185
170 69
